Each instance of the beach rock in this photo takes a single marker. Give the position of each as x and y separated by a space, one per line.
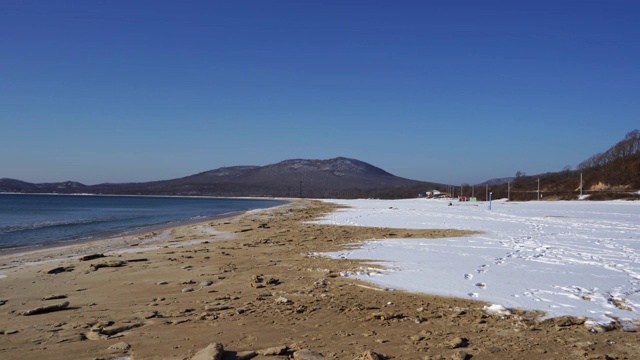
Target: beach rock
371 355
45 309
206 283
2 302
187 289
460 355
457 342
276 350
116 330
307 355
212 352
246 355
283 300
564 321
217 307
383 315
54 297
121 346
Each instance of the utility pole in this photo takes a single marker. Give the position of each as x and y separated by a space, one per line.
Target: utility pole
538 188
508 191
580 184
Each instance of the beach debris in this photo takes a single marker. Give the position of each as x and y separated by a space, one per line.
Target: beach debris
212 352
206 283
307 355
217 307
54 297
2 302
115 263
457 342
60 269
45 309
460 355
564 321
383 315
100 332
137 260
121 346
246 355
283 300
91 257
273 281
276 350
187 289
371 355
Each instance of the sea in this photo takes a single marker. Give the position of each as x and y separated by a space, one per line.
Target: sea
28 221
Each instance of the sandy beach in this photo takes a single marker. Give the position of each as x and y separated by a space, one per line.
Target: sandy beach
255 285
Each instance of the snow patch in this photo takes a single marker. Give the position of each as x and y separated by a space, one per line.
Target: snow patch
576 258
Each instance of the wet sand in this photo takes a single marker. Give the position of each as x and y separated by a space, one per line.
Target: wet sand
255 282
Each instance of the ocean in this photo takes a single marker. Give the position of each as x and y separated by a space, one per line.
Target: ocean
40 220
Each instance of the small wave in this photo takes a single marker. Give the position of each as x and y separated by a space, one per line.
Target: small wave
51 224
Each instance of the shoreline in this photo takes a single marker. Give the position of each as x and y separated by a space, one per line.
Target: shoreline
120 242
123 234
137 230
254 282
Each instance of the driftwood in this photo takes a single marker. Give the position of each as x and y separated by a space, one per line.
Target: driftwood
45 309
60 269
54 297
107 264
91 257
138 260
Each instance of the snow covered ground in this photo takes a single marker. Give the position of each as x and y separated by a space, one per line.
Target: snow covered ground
576 258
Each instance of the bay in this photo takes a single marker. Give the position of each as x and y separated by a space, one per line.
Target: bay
28 220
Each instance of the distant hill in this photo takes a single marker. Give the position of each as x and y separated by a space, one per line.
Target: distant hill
338 177
612 174
498 181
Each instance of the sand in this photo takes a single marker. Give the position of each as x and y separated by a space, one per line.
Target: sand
256 285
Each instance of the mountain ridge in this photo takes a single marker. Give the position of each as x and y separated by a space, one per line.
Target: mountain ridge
336 177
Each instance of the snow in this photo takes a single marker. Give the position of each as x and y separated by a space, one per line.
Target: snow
578 258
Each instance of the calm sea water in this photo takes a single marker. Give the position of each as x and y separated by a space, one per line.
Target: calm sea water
36 220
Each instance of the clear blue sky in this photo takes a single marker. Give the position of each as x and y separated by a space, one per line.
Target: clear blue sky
444 91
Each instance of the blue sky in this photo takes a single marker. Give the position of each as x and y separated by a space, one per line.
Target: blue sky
444 91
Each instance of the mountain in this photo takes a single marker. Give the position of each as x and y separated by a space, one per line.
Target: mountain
338 177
